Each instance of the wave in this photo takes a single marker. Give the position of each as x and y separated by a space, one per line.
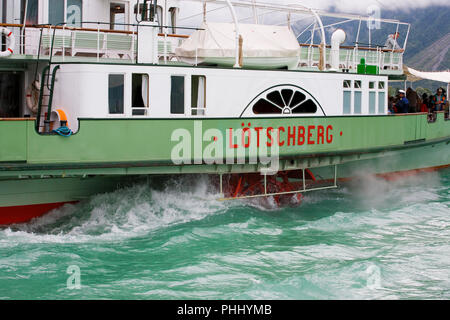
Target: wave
173 240
129 212
146 207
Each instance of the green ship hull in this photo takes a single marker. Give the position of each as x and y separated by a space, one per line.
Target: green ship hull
38 169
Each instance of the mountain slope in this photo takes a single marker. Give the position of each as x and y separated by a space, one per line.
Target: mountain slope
434 57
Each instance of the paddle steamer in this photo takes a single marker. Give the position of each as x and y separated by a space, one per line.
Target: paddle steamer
94 92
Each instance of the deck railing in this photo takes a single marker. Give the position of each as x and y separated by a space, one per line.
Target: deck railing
99 43
64 42
390 61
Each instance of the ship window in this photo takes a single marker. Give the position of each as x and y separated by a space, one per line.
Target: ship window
55 12
287 95
358 84
68 11
307 107
177 95
347 83
275 97
117 16
140 94
298 98
73 13
173 19
265 107
381 85
198 95
32 11
358 102
159 16
347 102
372 102
381 102
371 85
116 93
285 101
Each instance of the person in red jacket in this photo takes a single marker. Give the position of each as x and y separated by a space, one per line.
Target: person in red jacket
425 102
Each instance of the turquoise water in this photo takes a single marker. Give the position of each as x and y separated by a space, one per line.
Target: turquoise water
370 239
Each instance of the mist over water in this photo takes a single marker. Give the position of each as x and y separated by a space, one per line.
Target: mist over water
369 239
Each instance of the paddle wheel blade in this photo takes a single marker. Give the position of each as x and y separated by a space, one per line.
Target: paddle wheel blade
283 187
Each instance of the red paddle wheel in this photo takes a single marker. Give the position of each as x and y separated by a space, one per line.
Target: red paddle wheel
281 186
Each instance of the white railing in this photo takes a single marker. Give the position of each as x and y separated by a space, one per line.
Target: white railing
388 61
67 43
100 44
96 44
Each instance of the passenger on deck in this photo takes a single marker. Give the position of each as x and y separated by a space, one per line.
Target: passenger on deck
391 42
403 103
439 100
391 105
425 102
413 99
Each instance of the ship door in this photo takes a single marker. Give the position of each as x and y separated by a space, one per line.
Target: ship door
118 15
10 94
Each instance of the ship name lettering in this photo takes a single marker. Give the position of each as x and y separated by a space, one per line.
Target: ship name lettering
281 136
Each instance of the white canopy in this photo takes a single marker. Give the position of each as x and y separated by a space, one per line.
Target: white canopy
441 76
264 43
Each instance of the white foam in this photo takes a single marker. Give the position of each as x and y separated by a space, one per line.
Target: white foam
129 212
143 208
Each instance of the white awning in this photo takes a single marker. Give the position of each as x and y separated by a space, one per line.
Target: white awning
441 76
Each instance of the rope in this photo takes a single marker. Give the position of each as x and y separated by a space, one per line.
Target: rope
63 132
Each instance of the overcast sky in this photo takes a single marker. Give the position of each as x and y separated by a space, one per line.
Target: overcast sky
360 6
346 6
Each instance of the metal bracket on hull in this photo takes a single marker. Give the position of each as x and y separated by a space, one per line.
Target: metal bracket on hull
266 193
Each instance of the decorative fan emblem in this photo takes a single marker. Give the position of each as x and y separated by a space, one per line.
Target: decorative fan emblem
286 99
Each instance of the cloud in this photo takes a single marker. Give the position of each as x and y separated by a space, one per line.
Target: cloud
191 12
189 8
360 6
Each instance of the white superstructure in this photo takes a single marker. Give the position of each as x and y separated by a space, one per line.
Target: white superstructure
135 60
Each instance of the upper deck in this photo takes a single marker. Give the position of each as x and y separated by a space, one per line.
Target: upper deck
117 42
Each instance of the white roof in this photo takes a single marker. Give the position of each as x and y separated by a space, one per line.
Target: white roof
441 76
